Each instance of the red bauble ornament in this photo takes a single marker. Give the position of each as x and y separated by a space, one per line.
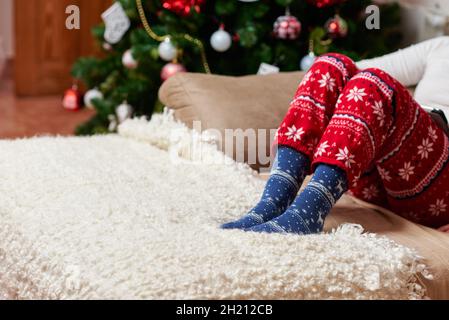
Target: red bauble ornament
287 27
325 3
170 69
337 27
72 99
183 7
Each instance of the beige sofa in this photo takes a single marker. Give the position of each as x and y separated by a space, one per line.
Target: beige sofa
221 102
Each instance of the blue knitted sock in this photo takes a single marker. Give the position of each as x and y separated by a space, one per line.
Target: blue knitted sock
307 213
287 175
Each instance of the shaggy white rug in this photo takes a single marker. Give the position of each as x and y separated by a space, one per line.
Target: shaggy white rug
113 217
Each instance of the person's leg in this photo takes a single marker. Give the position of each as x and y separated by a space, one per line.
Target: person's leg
286 176
298 135
414 161
376 123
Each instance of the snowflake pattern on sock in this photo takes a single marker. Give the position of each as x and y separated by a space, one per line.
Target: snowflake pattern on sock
287 175
307 213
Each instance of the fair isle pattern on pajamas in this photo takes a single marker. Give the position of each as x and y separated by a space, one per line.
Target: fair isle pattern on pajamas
366 123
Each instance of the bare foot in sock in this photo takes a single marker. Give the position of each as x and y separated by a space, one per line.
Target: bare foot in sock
307 213
281 189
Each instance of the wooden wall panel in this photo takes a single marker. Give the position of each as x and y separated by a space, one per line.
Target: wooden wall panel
91 11
45 49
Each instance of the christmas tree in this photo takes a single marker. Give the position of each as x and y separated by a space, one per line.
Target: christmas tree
228 37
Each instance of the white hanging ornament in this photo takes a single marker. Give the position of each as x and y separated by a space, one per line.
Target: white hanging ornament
221 40
167 51
124 111
116 23
128 60
90 95
112 123
307 61
266 68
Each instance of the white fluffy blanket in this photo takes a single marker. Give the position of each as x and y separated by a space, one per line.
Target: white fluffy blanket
113 217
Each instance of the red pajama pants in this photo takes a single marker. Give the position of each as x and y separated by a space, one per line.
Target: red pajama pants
368 124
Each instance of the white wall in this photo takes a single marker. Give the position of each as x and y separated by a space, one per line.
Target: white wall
420 24
7 26
441 6
423 19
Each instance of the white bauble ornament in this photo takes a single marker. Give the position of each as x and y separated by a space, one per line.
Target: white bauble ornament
90 95
124 111
167 51
221 40
307 61
128 60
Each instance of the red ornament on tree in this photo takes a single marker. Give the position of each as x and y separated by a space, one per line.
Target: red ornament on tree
337 27
287 27
170 69
324 3
72 99
183 7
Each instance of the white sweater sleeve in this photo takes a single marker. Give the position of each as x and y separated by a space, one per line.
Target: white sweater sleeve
407 65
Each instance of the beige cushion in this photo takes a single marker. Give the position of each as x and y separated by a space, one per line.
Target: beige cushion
222 102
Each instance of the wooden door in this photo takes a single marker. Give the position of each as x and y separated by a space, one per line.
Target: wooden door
45 49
